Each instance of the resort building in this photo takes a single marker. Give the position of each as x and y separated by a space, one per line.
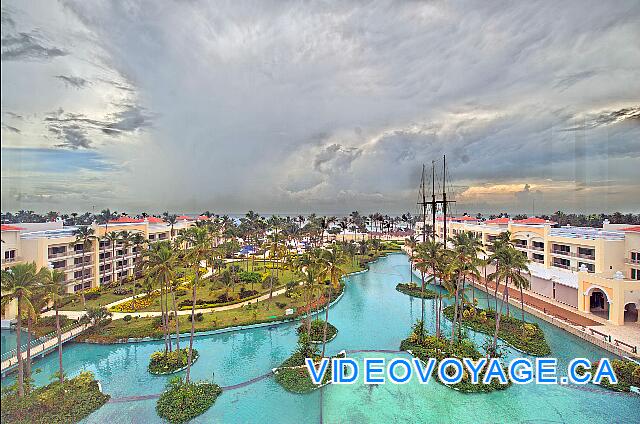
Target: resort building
100 261
595 270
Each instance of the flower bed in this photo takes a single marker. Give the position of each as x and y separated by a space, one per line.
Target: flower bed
528 339
134 305
162 363
181 402
440 348
628 373
414 290
317 331
69 402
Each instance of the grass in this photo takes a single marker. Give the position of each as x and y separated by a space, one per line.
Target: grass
529 339
106 297
150 327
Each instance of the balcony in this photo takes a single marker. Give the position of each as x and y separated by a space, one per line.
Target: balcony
630 261
590 256
538 248
563 266
59 254
540 261
563 253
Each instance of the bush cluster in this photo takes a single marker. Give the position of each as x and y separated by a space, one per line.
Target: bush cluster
181 402
414 290
527 337
628 373
69 402
162 362
317 330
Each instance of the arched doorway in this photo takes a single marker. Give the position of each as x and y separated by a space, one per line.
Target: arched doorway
631 312
599 303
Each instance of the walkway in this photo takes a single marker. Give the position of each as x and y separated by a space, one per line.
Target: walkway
594 329
46 344
588 388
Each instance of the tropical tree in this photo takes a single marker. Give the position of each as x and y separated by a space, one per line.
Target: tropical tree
53 285
85 235
332 261
428 256
18 283
198 239
126 239
512 264
159 265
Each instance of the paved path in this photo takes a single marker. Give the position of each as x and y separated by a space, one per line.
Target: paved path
628 333
548 307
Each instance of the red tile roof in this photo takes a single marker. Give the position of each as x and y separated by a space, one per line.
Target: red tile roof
11 228
635 229
457 218
125 220
154 220
183 217
498 221
203 218
533 221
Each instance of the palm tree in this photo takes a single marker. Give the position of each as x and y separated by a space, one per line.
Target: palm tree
84 235
200 243
127 239
171 219
332 261
18 283
159 265
104 218
428 261
112 237
54 292
512 264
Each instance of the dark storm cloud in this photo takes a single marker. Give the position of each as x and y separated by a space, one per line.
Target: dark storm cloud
337 105
73 130
10 128
27 46
73 82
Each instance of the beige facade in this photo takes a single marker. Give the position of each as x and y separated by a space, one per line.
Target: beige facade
54 246
565 262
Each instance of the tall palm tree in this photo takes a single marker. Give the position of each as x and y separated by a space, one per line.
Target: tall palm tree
159 265
512 264
198 239
126 238
112 237
18 283
85 235
104 218
428 261
54 292
332 261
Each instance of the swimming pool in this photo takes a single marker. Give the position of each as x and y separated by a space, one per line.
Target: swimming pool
371 315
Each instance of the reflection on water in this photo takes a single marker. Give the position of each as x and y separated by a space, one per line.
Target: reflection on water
371 315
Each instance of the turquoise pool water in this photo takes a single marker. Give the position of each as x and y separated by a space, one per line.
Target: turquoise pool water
8 339
371 315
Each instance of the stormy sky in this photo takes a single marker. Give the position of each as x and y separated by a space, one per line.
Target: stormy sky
327 107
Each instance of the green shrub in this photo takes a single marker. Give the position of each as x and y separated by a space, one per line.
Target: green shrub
169 362
181 402
199 317
69 402
413 290
317 330
127 318
527 337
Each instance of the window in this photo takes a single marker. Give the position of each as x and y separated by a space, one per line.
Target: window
9 255
635 274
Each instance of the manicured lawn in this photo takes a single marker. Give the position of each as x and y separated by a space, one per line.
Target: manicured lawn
106 297
150 327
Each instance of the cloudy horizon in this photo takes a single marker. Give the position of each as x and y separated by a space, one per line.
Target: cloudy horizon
300 107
